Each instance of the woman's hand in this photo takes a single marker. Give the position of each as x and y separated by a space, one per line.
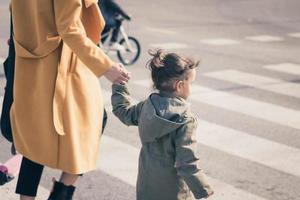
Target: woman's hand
118 74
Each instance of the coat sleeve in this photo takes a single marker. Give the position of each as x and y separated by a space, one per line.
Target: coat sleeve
187 162
71 30
122 108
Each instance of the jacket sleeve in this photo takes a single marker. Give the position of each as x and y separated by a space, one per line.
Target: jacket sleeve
186 162
72 32
122 108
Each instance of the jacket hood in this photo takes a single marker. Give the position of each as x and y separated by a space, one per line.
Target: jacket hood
161 114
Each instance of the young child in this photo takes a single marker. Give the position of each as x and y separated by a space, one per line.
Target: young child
168 166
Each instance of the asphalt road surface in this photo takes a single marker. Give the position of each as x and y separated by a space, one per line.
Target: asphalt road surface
246 95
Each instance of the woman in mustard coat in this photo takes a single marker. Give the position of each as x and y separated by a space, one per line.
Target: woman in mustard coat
58 107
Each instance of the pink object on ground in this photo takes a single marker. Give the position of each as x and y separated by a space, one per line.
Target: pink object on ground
3 168
13 165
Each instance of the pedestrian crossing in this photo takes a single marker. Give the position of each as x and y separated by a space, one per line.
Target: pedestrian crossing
7 192
114 152
274 155
236 143
250 147
1 60
264 38
262 110
245 146
254 38
257 81
160 31
289 68
296 35
169 46
220 41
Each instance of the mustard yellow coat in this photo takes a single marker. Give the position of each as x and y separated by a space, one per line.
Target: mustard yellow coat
58 107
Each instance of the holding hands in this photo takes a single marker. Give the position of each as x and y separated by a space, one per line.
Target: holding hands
118 74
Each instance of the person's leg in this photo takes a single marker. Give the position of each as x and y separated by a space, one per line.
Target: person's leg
68 179
104 32
64 188
115 34
29 179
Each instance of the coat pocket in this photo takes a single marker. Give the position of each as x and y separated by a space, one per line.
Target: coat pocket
41 51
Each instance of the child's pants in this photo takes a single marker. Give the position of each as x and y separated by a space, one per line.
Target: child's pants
29 178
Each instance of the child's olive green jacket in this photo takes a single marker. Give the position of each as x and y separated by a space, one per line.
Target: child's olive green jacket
168 166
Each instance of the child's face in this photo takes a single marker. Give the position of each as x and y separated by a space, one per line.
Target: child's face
183 88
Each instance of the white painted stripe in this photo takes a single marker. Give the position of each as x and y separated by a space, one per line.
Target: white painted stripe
290 68
272 154
1 103
160 30
264 38
220 41
296 35
261 82
7 191
107 100
251 107
250 147
114 152
170 46
1 60
106 96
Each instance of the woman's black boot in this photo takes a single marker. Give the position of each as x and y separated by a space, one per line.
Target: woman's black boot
61 192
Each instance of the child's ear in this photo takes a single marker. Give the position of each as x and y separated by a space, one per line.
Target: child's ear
178 86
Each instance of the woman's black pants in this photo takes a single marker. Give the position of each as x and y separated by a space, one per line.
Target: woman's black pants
29 178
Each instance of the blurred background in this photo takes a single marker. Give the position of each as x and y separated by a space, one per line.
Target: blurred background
246 95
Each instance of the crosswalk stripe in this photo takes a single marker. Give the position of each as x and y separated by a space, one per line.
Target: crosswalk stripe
170 46
290 68
264 38
250 147
7 191
296 35
261 110
261 82
1 60
114 152
160 30
219 41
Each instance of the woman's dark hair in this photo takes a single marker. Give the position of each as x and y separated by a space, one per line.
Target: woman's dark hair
168 67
